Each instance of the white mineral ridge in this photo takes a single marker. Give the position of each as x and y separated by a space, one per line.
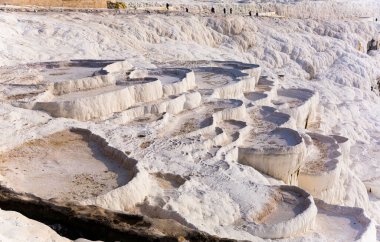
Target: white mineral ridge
321 55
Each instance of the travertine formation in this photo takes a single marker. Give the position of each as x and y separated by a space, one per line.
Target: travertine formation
59 3
184 132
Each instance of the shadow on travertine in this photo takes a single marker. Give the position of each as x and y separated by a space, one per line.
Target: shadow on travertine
94 223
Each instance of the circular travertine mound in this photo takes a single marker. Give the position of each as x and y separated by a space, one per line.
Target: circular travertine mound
282 212
322 165
339 223
293 213
279 154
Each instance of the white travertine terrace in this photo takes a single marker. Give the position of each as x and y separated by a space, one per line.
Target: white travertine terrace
73 140
266 90
245 83
173 105
332 219
301 104
303 220
98 96
320 173
279 154
125 196
87 83
185 83
101 102
226 125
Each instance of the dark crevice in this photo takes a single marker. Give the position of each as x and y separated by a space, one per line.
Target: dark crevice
75 221
307 121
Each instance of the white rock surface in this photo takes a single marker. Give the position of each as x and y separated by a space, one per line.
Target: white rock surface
16 227
194 136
